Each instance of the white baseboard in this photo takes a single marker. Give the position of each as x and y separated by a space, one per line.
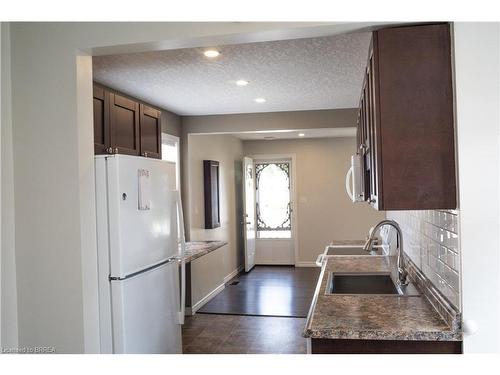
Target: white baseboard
233 274
198 305
306 264
274 264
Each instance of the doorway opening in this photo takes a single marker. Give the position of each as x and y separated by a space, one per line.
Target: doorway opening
274 210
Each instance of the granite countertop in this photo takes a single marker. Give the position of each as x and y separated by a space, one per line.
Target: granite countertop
379 317
347 243
196 249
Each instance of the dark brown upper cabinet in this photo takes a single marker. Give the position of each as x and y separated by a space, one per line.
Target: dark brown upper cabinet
101 120
150 132
124 125
405 121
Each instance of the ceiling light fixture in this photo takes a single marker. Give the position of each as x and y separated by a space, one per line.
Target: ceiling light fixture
211 53
260 100
242 82
301 134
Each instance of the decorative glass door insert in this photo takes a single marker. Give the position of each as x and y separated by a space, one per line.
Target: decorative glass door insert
273 208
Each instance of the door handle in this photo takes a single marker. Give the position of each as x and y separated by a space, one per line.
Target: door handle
182 254
348 176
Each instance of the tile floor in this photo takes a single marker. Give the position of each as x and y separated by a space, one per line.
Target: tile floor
235 334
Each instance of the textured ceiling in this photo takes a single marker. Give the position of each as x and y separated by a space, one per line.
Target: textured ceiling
299 74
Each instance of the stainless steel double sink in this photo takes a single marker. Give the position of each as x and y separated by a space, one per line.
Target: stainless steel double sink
362 283
367 283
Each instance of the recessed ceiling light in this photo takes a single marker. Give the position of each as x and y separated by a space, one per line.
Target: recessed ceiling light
260 100
211 53
242 82
301 134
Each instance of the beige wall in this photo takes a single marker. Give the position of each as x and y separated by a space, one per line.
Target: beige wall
8 291
324 211
170 123
208 272
328 118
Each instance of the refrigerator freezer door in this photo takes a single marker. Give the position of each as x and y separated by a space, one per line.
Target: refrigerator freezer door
139 236
145 312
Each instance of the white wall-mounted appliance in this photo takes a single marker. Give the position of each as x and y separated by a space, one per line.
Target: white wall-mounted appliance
354 180
140 262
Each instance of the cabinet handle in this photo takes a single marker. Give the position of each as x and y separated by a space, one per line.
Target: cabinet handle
109 150
145 154
116 150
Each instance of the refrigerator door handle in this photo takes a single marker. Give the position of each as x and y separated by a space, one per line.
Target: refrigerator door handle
134 274
182 257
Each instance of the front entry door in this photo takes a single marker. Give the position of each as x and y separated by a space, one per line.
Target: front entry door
275 232
249 212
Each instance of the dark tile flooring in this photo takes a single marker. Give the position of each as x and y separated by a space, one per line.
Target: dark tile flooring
268 291
234 334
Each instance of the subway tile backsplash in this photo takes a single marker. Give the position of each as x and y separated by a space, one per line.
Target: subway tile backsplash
431 242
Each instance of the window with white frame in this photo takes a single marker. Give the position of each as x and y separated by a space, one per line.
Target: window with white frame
170 151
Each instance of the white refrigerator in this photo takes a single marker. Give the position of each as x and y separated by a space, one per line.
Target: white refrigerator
140 261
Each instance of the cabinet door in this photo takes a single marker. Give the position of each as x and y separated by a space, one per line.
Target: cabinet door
124 125
415 97
101 120
150 132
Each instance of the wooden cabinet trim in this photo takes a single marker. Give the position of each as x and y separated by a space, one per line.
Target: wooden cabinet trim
150 111
377 130
359 346
124 102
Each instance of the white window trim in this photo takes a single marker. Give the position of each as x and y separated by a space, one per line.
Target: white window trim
172 138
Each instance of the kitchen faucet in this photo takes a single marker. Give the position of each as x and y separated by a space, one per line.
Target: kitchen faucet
402 274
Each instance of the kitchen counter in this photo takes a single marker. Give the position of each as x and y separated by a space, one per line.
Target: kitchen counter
372 317
196 249
347 243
